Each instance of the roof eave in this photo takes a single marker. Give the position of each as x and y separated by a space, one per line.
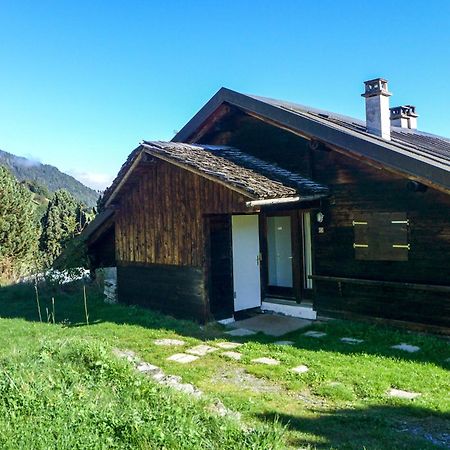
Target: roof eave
382 152
284 200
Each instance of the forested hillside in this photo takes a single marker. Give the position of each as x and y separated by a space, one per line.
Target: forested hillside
48 176
35 228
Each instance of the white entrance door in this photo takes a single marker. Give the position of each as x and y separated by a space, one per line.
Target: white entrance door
246 274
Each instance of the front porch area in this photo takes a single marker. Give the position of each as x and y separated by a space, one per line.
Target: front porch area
261 262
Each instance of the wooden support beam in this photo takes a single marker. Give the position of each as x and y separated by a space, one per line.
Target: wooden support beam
394 284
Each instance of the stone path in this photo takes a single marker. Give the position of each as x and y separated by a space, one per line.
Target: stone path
168 342
402 394
157 373
406 347
201 350
314 334
240 332
194 353
267 361
232 355
174 382
284 343
182 358
300 369
228 345
349 340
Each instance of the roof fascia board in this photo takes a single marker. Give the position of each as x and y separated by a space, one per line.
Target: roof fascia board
124 178
332 134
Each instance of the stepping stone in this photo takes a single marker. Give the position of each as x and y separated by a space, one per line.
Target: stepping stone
268 361
201 350
169 342
349 340
129 355
300 369
402 394
232 355
228 345
314 334
145 367
284 343
182 358
406 347
240 332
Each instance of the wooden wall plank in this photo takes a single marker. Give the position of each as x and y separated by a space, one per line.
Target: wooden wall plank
160 219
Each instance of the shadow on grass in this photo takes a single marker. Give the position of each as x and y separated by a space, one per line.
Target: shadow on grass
374 427
19 301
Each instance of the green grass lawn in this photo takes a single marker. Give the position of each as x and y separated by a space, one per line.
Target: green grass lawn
61 387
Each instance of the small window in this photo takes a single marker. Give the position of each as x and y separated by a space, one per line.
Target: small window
381 237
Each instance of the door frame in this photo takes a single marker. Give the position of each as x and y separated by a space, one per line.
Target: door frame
298 292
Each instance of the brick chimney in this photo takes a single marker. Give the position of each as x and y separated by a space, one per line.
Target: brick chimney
404 117
377 108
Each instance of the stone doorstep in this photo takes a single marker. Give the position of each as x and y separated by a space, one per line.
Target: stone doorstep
169 342
268 361
232 355
406 347
228 345
314 334
182 358
240 332
201 350
402 394
349 340
300 369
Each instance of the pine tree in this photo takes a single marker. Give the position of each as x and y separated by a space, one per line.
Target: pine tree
64 219
18 228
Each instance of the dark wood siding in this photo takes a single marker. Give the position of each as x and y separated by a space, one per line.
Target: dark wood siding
174 290
160 233
358 189
160 217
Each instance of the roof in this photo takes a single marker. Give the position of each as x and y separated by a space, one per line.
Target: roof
417 141
416 154
239 171
100 219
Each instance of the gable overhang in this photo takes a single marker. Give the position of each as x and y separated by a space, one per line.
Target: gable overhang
198 172
143 149
362 146
251 200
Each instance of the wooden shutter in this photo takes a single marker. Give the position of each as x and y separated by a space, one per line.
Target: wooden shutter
381 236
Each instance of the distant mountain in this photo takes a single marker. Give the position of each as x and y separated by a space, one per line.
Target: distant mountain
49 176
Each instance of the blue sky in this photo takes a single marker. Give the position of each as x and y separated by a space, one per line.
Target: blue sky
82 82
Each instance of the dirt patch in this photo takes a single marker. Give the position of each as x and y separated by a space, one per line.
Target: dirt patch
432 429
237 376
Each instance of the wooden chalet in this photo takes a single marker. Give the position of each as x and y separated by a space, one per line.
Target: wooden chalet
259 203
